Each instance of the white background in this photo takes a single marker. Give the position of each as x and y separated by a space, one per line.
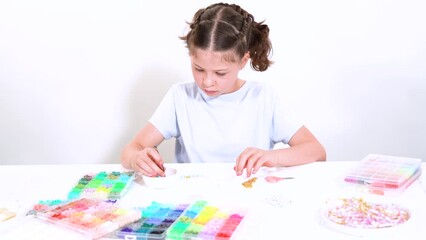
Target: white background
78 79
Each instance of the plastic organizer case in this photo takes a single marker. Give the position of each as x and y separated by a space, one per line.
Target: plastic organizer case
204 220
383 174
102 185
45 205
156 219
93 217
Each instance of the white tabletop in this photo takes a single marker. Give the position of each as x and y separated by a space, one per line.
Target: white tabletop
296 214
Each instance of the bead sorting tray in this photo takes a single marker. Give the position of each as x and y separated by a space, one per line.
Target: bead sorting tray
156 219
383 175
204 220
30 228
44 205
93 217
102 185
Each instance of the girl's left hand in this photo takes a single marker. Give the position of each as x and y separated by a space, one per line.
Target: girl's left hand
252 159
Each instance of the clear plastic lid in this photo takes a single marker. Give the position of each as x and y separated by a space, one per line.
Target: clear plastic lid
382 174
102 185
156 219
205 220
93 217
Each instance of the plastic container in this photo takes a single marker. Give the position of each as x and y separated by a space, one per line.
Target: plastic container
384 175
92 217
363 217
102 185
204 220
156 219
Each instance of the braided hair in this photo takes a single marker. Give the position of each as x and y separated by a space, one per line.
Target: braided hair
226 27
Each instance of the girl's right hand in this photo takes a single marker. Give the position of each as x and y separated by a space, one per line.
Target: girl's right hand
148 161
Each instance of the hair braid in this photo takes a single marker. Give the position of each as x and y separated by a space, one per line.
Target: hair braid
196 18
227 27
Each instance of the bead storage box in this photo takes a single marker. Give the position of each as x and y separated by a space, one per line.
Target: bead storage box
92 217
102 185
29 228
45 205
156 219
383 174
205 220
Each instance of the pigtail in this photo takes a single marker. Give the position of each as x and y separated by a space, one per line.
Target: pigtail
256 37
260 47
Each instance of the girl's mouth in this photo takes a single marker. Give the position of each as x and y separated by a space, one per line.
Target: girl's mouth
210 93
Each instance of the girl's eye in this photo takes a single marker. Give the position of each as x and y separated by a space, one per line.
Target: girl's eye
221 74
199 70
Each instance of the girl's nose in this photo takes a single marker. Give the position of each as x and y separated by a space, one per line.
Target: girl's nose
208 81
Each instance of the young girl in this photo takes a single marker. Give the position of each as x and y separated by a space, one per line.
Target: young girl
220 117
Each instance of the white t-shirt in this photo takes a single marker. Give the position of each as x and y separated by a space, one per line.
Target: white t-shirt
218 129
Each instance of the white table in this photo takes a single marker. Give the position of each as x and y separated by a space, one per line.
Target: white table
298 217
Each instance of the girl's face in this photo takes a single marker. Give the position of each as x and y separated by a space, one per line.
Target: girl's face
214 74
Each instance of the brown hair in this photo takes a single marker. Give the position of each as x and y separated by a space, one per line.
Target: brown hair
226 27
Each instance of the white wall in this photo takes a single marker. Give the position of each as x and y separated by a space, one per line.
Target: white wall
78 79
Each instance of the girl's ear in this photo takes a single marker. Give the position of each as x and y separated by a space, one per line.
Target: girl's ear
245 59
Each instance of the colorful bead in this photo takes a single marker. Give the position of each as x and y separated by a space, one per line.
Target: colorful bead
358 213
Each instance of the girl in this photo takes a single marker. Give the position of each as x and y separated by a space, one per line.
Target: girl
220 117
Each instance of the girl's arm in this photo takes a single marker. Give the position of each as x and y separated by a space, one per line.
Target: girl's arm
141 153
304 148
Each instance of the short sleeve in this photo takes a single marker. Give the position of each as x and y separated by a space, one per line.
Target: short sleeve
164 117
285 125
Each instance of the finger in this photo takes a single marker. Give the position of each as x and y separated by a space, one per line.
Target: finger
262 159
142 167
250 160
244 160
249 164
145 173
258 165
236 168
241 162
156 164
144 163
254 160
